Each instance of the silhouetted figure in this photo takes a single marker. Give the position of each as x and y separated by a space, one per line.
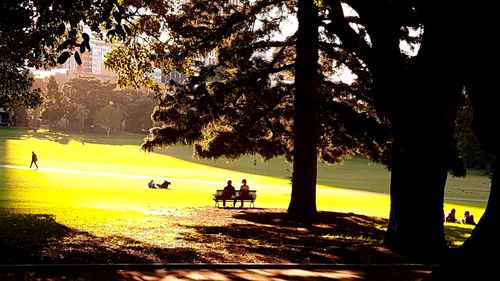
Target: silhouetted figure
228 193
468 218
151 184
244 192
34 158
451 216
164 185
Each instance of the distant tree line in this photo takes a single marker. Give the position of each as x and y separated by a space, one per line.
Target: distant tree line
88 103
467 144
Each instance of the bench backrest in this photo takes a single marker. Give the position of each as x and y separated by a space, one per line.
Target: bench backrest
251 193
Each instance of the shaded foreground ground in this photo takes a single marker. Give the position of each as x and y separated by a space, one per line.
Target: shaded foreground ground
260 244
218 272
200 235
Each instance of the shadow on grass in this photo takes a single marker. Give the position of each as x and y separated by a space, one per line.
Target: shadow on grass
64 137
39 239
44 134
272 236
456 235
264 235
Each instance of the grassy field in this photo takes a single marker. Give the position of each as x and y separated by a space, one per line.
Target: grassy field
98 185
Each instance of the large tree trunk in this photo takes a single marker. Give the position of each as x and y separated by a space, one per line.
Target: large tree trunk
424 146
420 160
477 258
415 227
422 153
303 201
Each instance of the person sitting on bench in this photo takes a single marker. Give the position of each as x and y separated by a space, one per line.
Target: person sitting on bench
228 192
244 192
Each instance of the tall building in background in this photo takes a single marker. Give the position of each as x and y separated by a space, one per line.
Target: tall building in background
93 65
99 52
92 61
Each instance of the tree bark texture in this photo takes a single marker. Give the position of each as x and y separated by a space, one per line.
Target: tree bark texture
303 199
424 150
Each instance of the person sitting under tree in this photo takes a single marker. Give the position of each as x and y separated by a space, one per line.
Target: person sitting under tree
451 216
468 218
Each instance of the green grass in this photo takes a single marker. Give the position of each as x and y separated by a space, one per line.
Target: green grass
109 204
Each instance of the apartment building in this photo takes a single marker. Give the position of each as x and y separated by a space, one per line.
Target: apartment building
92 61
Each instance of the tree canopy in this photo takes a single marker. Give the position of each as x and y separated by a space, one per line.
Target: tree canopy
42 34
242 102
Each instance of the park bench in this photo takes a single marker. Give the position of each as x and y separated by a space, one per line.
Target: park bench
252 194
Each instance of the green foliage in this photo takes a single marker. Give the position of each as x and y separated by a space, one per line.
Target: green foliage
41 34
138 111
20 116
109 117
47 32
467 144
53 108
83 97
243 102
15 86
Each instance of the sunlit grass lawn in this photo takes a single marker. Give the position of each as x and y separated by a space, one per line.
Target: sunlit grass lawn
119 202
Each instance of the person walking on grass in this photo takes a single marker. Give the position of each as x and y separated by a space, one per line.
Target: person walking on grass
34 158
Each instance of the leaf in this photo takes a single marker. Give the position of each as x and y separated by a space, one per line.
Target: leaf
120 32
107 10
87 4
72 33
117 16
63 57
111 33
74 23
108 24
94 26
77 58
63 45
61 28
127 29
121 9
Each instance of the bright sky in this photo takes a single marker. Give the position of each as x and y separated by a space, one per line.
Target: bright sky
40 74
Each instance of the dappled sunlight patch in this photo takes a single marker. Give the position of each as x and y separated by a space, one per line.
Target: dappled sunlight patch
456 234
456 244
302 229
359 239
337 274
258 233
